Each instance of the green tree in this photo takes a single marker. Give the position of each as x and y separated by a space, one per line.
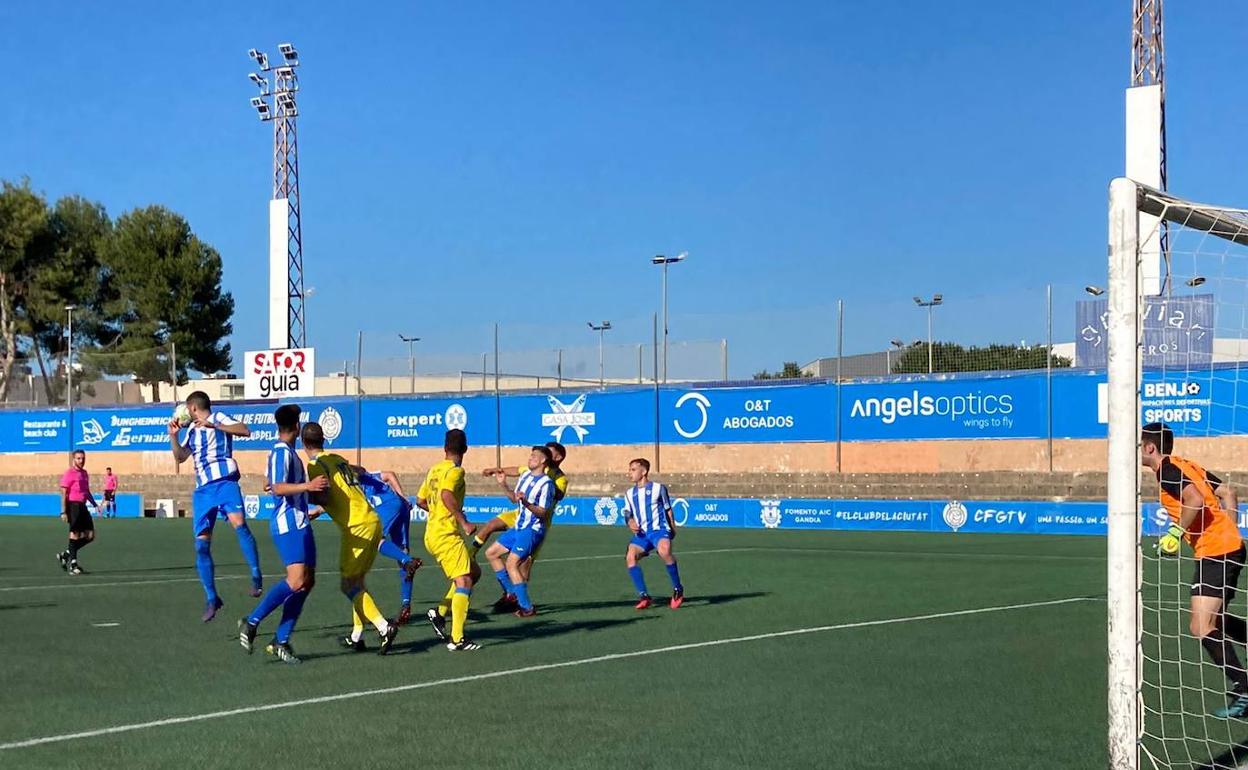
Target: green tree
789 371
951 357
167 285
69 272
23 220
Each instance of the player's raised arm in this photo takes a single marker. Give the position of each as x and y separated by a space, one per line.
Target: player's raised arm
181 452
226 424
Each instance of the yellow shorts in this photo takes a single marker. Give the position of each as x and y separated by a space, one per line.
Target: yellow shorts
358 549
451 553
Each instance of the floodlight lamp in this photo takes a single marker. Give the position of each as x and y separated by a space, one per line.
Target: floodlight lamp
1095 291
937 299
606 325
1195 281
288 52
897 343
918 300
285 73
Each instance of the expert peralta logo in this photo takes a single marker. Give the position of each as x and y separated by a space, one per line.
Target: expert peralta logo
770 513
331 423
954 515
606 511
456 417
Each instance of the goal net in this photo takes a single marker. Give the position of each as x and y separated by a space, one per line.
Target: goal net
1178 355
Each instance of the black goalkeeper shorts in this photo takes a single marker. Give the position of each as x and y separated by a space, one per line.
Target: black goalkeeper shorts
1218 575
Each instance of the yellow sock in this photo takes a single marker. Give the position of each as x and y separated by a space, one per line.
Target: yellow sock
357 623
459 613
365 606
444 606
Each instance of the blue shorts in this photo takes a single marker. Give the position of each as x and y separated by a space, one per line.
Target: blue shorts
296 546
648 541
522 542
396 521
222 496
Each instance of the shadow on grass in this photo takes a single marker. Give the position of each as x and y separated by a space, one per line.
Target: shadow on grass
660 602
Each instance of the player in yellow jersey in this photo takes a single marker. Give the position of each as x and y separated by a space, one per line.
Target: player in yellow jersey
442 495
505 521
346 503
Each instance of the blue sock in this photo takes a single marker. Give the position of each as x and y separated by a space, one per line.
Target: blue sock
405 588
504 580
204 566
290 613
674 573
639 580
275 598
247 542
522 596
392 551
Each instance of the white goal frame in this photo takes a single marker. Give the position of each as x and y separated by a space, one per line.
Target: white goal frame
1128 200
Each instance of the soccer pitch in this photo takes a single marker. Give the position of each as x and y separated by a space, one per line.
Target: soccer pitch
826 649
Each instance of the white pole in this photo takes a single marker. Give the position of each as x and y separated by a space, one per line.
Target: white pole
69 378
665 321
1124 475
929 338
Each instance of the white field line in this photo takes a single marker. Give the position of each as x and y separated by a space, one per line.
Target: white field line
135 726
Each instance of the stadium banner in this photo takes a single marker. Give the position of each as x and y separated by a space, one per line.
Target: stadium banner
1178 331
1213 401
129 505
283 373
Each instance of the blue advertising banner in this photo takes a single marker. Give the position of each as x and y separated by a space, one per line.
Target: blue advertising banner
1178 331
1208 401
21 504
971 408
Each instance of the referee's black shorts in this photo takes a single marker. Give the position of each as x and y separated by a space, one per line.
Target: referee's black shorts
79 517
1218 575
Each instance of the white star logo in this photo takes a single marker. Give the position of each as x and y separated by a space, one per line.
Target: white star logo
456 417
563 416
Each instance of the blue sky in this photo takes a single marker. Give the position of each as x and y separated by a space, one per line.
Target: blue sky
520 162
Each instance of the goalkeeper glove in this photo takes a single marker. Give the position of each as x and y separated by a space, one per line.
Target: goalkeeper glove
1168 545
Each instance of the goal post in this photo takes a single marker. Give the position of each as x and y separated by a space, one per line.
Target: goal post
1122 494
1179 357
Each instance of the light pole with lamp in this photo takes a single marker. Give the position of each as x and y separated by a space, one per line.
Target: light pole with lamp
936 299
659 259
600 328
411 356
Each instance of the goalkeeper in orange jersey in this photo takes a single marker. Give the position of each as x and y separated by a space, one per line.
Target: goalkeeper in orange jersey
1203 511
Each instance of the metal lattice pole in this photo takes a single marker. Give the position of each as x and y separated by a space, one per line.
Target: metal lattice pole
277 104
1148 68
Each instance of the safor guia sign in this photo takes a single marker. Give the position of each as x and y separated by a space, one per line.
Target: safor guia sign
285 373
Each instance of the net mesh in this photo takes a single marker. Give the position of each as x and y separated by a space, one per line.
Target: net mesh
1192 344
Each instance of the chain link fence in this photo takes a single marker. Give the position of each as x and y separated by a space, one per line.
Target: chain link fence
868 335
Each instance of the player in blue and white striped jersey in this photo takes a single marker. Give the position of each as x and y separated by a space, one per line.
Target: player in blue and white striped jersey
209 442
385 494
535 494
292 535
648 512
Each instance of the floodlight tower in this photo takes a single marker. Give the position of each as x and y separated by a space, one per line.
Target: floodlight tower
287 323
1146 132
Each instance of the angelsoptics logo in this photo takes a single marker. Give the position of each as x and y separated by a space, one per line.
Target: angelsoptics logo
973 409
